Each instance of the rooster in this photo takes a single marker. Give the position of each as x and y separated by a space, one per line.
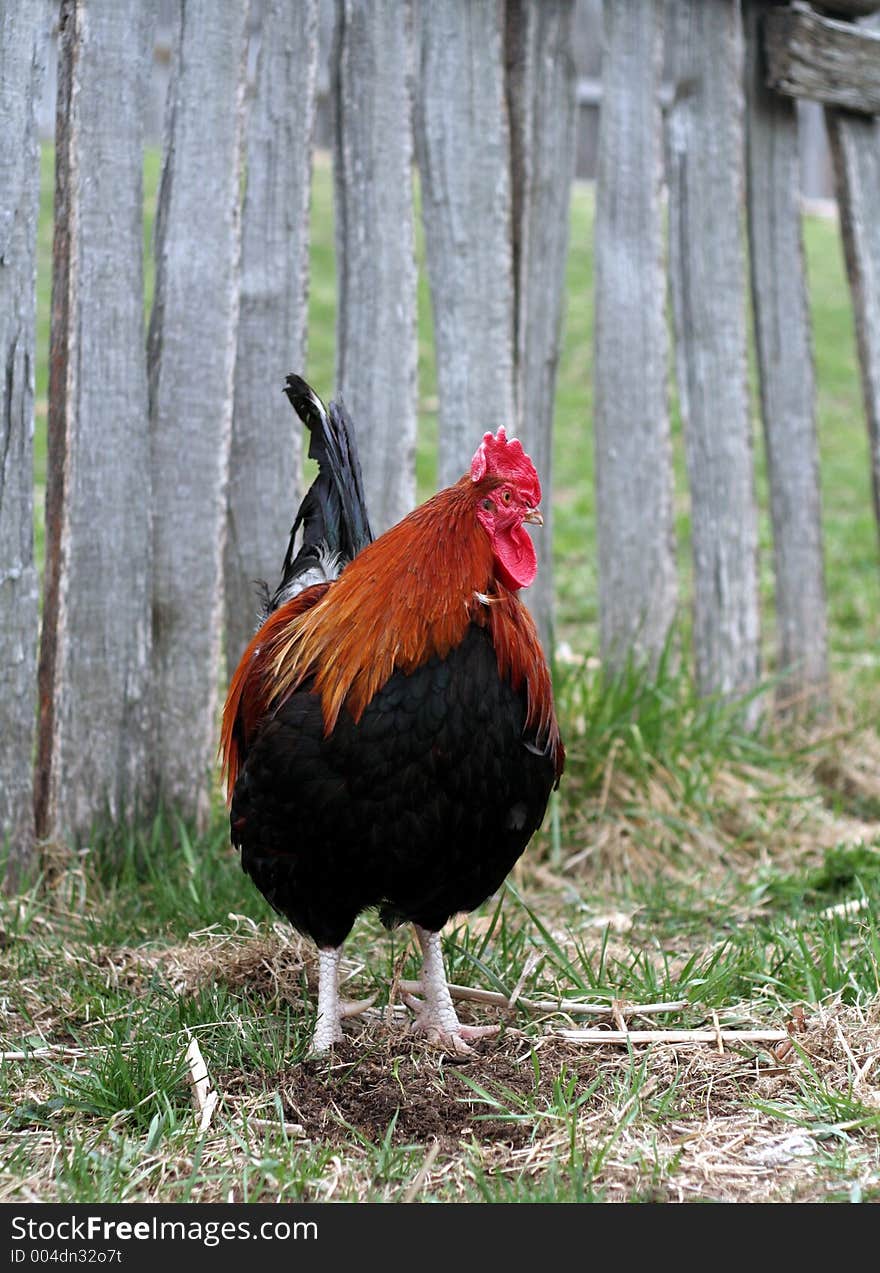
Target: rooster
389 737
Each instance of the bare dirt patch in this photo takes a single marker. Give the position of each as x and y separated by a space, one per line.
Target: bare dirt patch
388 1080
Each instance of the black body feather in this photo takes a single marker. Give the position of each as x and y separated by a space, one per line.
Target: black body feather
420 809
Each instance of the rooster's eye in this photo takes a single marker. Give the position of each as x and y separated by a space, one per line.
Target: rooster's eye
506 496
487 504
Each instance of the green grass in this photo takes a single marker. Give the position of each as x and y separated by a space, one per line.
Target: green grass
687 860
107 1114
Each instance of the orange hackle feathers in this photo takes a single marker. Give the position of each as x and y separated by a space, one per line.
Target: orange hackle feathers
406 597
248 699
521 661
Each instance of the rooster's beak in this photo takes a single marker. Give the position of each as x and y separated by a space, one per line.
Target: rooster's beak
533 515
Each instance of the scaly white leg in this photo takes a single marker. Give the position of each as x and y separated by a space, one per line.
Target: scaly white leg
436 1016
328 1029
332 1010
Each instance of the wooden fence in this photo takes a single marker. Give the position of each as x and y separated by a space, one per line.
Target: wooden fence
731 147
817 180
173 471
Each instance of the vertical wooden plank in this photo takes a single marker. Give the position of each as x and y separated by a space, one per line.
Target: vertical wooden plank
23 39
464 161
785 366
376 331
95 651
816 173
634 479
855 150
191 355
542 112
324 112
708 274
264 468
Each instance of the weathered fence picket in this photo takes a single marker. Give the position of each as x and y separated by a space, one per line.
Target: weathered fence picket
838 63
855 148
376 335
264 467
94 735
542 111
192 347
464 162
23 37
708 275
634 480
785 366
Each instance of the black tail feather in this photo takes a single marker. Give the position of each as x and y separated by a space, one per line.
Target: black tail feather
333 513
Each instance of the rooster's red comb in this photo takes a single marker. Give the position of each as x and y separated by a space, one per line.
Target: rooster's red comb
498 457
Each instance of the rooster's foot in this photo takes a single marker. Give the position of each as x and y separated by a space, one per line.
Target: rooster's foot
329 1030
326 1034
436 1017
354 1007
444 1029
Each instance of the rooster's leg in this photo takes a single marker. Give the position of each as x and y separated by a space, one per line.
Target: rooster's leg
435 1015
331 1009
328 1029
